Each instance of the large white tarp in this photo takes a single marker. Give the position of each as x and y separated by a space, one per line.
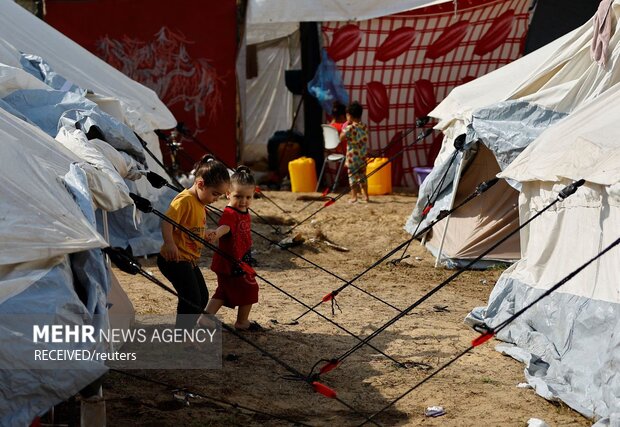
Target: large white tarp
273 11
269 104
13 78
26 393
41 223
570 341
66 113
21 31
587 145
50 262
39 218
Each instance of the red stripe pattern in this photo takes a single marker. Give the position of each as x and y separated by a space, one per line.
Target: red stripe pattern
401 66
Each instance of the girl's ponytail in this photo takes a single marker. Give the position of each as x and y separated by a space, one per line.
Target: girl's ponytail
205 159
243 176
212 171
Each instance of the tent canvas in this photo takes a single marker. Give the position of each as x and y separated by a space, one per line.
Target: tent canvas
120 308
52 251
51 258
52 269
54 266
282 11
564 114
25 32
127 101
455 115
505 113
472 227
569 341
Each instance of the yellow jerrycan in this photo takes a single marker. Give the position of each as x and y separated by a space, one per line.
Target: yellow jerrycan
380 182
303 175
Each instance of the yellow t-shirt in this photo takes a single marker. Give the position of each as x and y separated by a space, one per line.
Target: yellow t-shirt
187 210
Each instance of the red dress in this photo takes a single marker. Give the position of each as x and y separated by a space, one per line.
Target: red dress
342 147
337 125
234 286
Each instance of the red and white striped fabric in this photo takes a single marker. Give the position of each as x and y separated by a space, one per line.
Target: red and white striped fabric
401 66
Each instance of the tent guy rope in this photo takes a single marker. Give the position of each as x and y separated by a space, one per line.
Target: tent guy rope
129 265
334 362
479 190
487 332
458 145
145 206
157 181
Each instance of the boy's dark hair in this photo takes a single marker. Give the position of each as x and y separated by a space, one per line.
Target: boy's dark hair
338 109
243 176
212 172
355 110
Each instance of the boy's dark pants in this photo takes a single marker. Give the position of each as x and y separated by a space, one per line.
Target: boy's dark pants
189 283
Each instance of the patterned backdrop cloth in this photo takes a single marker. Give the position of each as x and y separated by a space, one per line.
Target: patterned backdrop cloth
401 66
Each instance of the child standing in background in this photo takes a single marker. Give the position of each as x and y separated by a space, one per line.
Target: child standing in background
178 256
355 136
235 288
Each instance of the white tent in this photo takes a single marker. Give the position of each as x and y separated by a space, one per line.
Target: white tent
501 113
556 107
28 152
27 33
129 102
470 231
277 11
50 190
570 341
42 224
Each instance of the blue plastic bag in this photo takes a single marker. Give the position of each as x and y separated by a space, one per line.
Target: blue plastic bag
327 84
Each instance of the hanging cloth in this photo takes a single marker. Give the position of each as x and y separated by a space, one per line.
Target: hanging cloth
602 33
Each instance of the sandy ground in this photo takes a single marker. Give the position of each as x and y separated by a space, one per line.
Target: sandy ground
479 389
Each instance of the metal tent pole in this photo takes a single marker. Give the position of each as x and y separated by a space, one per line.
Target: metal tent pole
455 187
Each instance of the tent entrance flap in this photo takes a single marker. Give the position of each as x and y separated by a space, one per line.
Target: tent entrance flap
489 218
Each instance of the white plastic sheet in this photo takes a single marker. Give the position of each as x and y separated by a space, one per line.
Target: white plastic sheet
264 11
27 33
585 145
12 79
39 217
569 340
269 104
108 189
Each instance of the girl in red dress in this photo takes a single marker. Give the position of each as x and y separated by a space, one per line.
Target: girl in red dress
235 288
